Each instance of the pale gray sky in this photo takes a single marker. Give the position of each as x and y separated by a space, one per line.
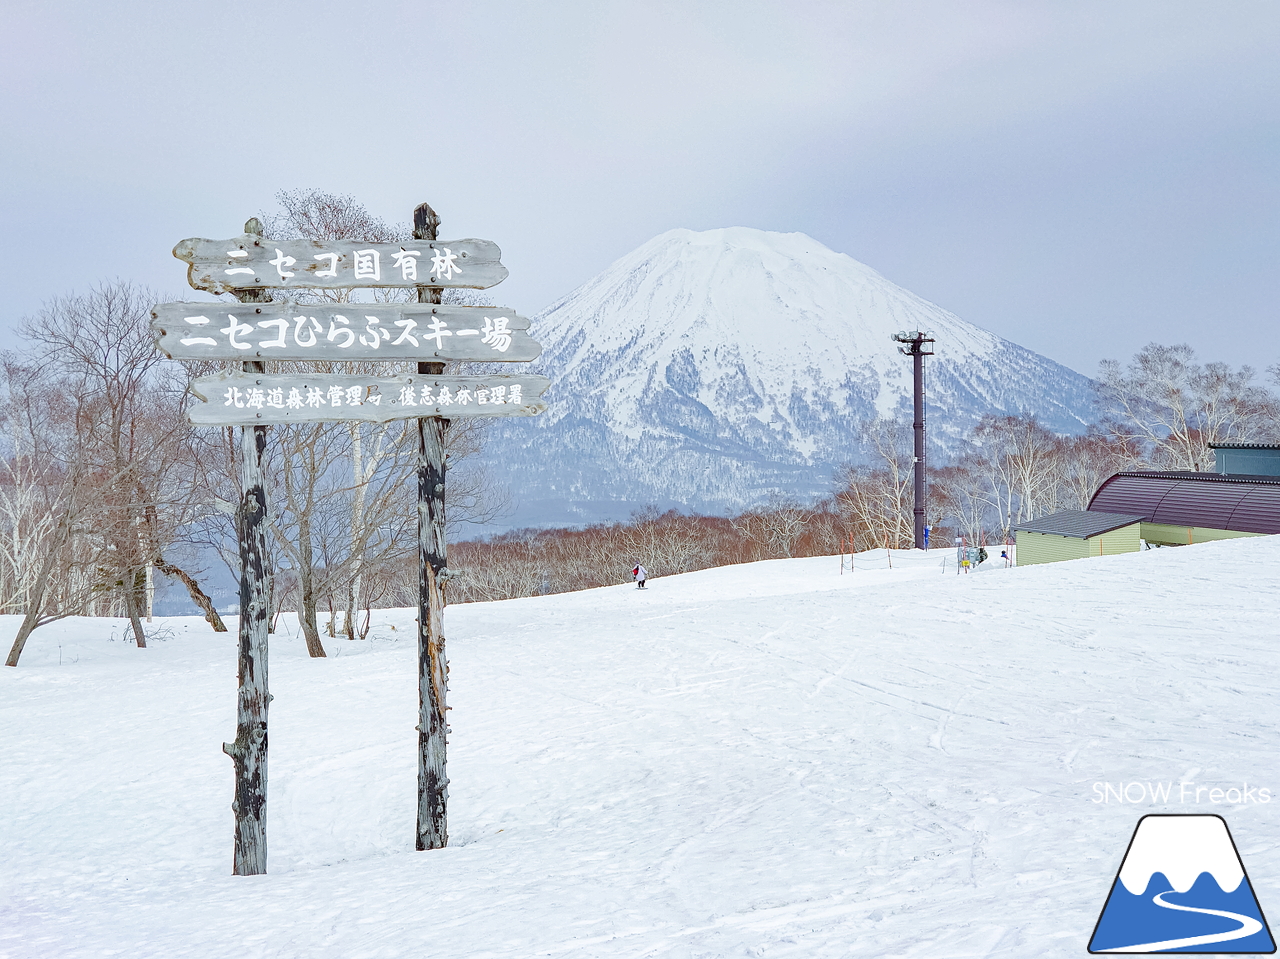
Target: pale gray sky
1080 177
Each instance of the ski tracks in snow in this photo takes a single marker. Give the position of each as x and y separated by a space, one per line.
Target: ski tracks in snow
936 739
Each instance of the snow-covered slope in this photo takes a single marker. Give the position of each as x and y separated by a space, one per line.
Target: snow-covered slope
707 368
766 760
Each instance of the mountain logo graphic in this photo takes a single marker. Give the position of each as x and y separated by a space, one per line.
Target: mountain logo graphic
1182 888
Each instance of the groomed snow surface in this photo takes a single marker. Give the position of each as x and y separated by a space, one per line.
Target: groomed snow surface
766 760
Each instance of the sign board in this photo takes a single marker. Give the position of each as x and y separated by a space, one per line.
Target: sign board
262 399
334 332
250 262
258 329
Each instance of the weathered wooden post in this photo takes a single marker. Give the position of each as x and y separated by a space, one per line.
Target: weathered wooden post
249 751
433 667
427 332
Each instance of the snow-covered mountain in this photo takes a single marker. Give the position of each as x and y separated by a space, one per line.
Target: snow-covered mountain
706 369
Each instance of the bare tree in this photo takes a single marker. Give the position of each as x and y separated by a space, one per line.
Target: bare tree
316 215
776 527
1175 407
91 368
1089 460
50 553
1020 461
300 459
961 493
1015 470
875 499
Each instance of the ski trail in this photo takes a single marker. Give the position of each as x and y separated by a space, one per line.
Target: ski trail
936 739
830 676
1248 927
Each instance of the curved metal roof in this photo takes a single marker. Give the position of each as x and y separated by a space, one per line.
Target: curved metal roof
1249 504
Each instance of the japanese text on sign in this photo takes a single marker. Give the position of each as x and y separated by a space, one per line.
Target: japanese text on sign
342 332
365 265
315 397
307 331
262 398
252 262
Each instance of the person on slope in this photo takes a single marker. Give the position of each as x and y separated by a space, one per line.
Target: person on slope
640 574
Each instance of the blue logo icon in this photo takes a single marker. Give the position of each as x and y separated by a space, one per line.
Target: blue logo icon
1182 888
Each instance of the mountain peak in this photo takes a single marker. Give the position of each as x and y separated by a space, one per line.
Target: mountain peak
744 238
746 359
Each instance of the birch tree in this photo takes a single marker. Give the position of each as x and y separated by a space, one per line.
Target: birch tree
90 393
961 493
47 504
1019 459
1088 461
1176 407
875 499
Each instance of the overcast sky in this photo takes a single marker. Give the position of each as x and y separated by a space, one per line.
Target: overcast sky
1081 178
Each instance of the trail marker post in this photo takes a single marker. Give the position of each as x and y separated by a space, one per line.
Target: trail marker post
260 329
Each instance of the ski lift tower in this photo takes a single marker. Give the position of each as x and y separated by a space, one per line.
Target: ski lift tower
914 346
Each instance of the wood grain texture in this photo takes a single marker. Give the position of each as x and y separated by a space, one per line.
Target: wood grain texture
231 399
432 830
249 750
246 263
433 780
341 332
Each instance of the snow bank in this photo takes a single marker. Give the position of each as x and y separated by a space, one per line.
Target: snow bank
766 760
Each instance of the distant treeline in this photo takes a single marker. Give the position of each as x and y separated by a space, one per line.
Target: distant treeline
532 562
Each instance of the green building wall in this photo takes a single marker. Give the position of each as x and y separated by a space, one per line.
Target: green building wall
1185 535
1036 548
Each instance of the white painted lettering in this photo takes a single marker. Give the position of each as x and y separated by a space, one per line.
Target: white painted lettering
333 264
367 264
282 325
280 262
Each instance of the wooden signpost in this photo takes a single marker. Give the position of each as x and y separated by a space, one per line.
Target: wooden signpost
232 399
257 330
250 262
342 331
